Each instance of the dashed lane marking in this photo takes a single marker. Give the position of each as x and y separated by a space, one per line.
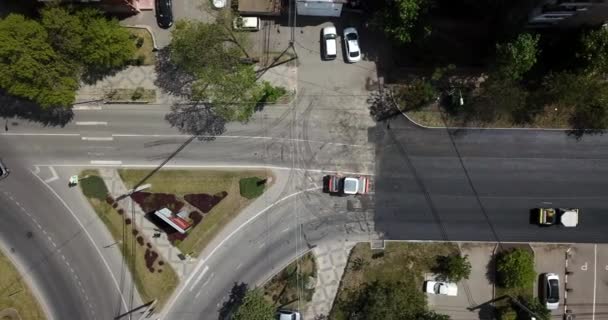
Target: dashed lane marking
91 123
97 138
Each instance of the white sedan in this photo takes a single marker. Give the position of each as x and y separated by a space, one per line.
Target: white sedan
442 288
351 45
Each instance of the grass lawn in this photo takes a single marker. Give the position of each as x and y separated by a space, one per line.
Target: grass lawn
282 289
182 182
150 285
147 46
431 116
365 266
16 294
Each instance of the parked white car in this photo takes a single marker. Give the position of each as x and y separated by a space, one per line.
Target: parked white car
441 288
330 46
288 315
351 45
218 4
246 23
551 290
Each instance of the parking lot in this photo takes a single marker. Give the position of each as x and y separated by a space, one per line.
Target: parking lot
587 281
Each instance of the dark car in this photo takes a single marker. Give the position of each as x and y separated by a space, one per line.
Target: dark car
3 171
164 13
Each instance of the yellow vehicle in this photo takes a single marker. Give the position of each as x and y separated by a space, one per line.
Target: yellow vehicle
551 216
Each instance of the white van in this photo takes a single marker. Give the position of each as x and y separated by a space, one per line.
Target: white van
330 50
246 23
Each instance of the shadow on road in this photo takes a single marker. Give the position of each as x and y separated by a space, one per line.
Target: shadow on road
237 294
14 107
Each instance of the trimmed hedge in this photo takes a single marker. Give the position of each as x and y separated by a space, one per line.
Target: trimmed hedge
94 187
252 187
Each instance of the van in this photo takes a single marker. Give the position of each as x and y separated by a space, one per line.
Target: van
246 23
330 50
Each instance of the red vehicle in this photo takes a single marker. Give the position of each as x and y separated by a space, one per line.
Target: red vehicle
348 185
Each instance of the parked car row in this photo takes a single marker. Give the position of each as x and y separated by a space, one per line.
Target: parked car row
550 289
351 44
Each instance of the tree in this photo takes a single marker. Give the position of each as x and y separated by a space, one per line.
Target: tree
498 96
399 18
516 58
416 95
515 269
106 45
386 300
254 307
584 95
85 36
212 54
30 68
594 50
454 267
432 315
539 309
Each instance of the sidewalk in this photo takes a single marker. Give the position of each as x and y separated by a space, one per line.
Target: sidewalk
331 263
169 253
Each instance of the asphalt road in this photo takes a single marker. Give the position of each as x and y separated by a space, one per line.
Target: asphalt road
481 184
58 257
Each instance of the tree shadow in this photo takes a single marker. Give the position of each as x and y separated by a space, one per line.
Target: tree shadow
196 119
491 270
93 74
578 134
237 294
487 312
170 78
15 107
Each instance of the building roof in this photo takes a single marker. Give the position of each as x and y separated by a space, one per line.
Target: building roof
179 224
260 7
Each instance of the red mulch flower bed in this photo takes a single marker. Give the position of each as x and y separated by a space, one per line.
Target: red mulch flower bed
205 202
196 217
155 201
140 240
128 220
172 237
150 256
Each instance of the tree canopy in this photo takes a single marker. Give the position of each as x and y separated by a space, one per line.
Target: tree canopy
30 68
399 18
515 269
516 58
454 267
254 307
211 53
594 50
43 60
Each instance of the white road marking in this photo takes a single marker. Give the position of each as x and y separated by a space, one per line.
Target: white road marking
54 177
238 266
208 280
85 107
210 166
594 279
39 134
198 294
97 138
262 245
226 239
200 276
91 123
285 230
122 298
106 162
37 171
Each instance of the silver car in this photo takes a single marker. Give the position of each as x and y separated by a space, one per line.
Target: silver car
551 290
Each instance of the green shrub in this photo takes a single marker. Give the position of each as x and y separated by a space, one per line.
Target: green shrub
416 95
272 94
140 42
138 93
515 269
453 267
252 187
94 187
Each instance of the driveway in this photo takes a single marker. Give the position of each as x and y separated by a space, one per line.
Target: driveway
182 9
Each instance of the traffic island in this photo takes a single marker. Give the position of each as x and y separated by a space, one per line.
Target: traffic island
153 277
16 301
217 197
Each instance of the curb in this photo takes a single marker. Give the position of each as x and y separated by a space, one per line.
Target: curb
282 267
141 26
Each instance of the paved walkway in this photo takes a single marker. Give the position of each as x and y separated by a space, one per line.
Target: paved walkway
164 248
331 262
